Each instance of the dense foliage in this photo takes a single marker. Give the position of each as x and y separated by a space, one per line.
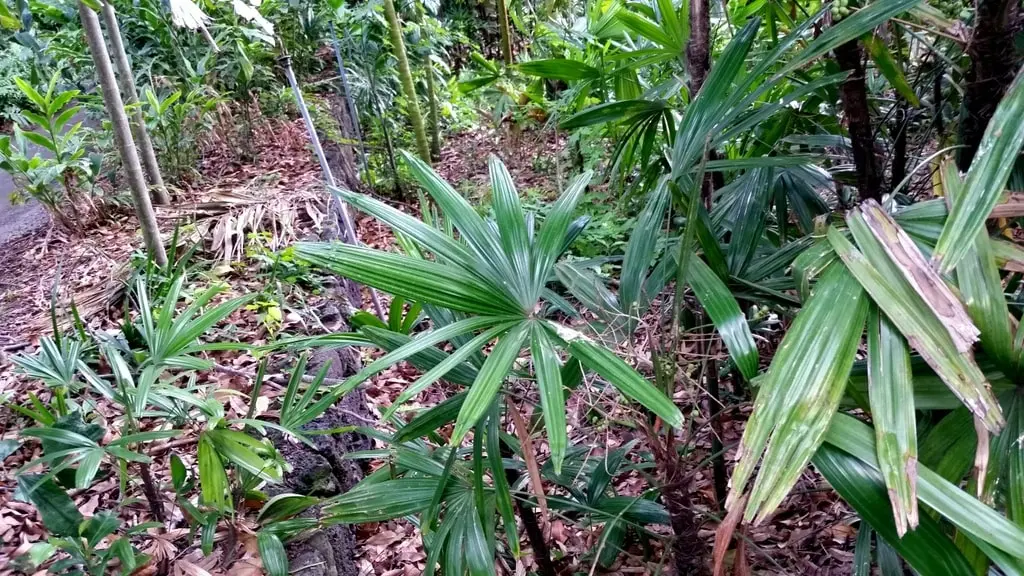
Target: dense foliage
825 192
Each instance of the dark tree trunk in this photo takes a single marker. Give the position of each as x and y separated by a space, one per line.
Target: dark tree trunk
994 63
698 48
324 469
534 533
688 548
541 553
698 63
849 56
149 488
940 127
718 472
899 152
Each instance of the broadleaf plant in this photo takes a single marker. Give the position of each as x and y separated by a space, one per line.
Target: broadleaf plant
496 273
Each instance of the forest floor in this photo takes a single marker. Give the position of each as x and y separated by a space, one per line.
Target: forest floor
279 195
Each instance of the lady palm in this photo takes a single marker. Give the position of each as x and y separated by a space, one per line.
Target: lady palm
923 278
494 275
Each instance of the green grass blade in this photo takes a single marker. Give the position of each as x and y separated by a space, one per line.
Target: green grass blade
272 554
494 371
948 446
986 179
891 395
725 313
614 111
431 517
917 322
802 391
552 397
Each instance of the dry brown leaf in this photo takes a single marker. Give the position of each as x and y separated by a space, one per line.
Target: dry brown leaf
920 274
723 535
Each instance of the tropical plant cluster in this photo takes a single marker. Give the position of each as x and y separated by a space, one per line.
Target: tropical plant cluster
817 204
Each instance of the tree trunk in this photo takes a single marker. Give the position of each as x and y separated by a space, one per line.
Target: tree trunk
698 63
940 129
698 48
432 113
994 63
541 552
408 89
849 56
127 82
122 133
899 154
505 31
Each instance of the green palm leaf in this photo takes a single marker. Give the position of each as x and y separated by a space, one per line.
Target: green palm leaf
916 321
960 508
986 179
927 549
981 286
552 396
801 392
512 230
619 374
412 278
891 394
489 379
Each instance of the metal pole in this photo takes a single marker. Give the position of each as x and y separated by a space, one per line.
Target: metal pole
353 114
350 230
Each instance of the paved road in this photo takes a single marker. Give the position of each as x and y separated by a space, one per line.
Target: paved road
20 219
